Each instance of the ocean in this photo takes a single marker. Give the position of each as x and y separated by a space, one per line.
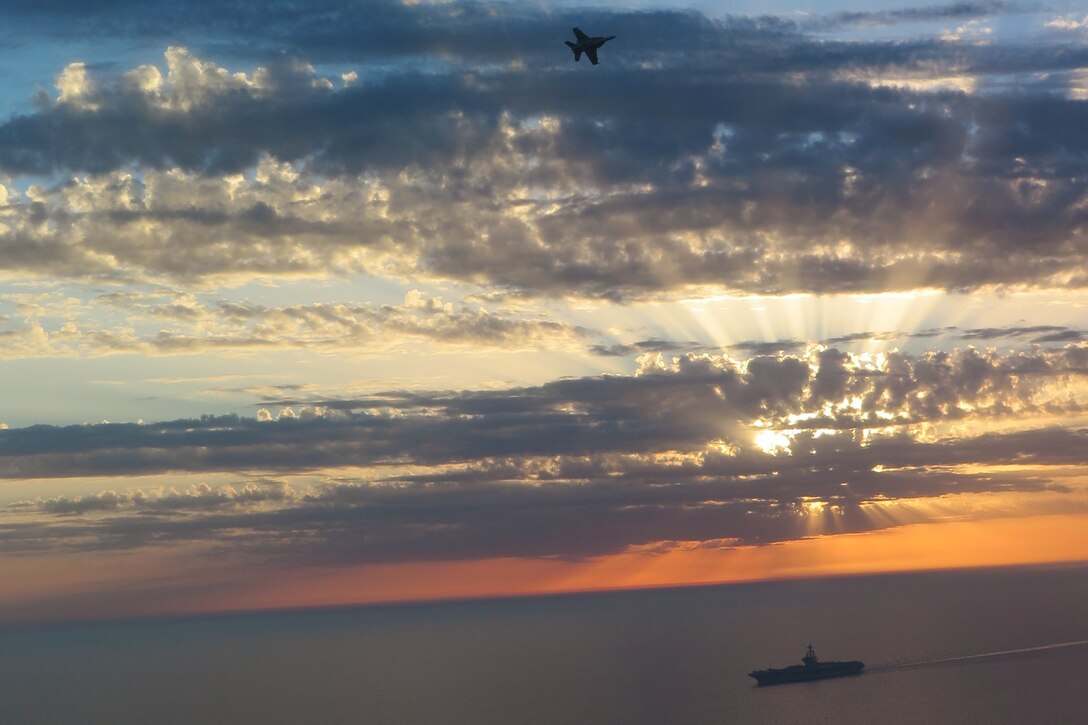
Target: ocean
980 646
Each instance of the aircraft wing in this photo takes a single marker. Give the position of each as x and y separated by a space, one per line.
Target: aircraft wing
582 37
592 53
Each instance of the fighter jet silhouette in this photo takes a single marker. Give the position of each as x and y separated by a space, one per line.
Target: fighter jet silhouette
587 45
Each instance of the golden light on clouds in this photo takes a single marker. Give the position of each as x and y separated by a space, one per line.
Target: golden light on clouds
826 316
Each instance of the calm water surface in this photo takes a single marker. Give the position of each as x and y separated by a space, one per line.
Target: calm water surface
666 656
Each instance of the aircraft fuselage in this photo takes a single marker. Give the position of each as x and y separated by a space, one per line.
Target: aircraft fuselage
594 43
587 44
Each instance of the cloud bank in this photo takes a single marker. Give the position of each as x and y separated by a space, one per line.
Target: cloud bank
754 159
700 448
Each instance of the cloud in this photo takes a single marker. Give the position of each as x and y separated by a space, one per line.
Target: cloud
640 347
374 31
793 166
238 326
684 405
1036 333
199 497
701 447
1068 22
566 506
1020 334
880 18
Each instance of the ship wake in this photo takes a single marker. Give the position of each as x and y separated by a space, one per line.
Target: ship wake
982 656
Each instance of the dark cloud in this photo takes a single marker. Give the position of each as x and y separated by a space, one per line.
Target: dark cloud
952 11
382 30
1062 336
758 347
197 498
1036 333
451 34
772 347
643 346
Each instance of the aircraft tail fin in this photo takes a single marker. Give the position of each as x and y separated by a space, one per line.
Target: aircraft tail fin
569 44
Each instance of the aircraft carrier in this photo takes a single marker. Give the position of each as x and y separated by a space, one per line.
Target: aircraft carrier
812 669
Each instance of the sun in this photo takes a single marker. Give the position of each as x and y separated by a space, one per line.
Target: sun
773 442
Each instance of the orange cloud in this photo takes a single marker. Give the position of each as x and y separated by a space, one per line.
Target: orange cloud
47 588
962 544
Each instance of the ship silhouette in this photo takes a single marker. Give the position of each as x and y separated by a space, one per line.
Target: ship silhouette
812 669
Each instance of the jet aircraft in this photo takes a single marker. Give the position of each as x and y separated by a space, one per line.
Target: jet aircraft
587 45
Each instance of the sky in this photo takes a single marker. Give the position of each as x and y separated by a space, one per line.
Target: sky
326 302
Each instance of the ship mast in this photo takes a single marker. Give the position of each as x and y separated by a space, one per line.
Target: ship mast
810 658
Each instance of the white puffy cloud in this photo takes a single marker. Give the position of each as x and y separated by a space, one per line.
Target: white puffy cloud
1067 22
76 88
976 31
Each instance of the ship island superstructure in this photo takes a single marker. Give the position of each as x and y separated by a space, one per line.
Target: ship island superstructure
812 669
